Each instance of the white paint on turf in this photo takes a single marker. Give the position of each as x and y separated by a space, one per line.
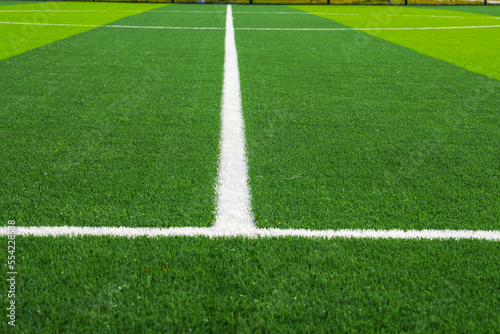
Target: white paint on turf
374 15
382 234
258 29
111 26
154 11
233 213
212 232
370 29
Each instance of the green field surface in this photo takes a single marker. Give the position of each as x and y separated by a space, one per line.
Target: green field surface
199 285
16 38
9 3
485 10
477 50
114 127
120 127
382 138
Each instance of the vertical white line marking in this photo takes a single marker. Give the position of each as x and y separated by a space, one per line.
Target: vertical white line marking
233 212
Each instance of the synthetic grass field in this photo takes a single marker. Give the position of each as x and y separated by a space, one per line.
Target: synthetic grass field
384 119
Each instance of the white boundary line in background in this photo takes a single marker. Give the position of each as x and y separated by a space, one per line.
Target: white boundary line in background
153 11
222 28
212 232
110 26
369 29
233 213
375 14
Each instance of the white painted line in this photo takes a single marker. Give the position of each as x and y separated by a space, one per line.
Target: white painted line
368 29
160 27
263 29
383 234
374 15
68 11
111 26
212 232
233 213
189 11
152 11
238 12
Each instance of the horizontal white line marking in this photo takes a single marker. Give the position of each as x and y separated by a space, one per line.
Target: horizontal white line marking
213 232
189 11
68 11
369 29
237 12
263 29
373 14
383 234
105 11
111 26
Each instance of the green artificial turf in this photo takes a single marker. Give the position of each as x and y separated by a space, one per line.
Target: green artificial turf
200 285
15 39
9 3
484 10
477 50
264 17
373 136
114 127
120 127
